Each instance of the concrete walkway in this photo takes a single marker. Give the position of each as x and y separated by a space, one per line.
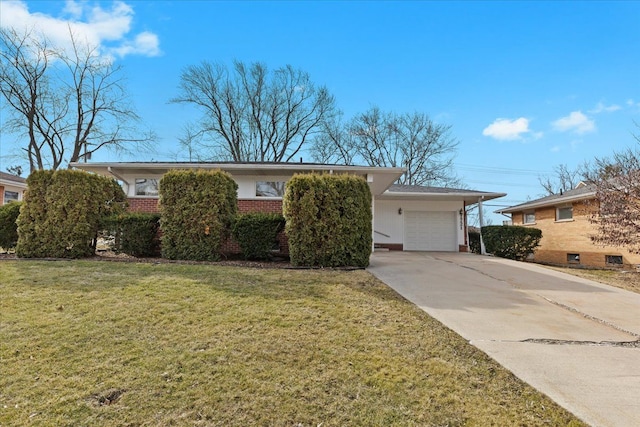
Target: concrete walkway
575 340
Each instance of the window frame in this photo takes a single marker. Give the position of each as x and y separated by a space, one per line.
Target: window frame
5 200
275 185
136 183
524 217
607 260
563 208
573 258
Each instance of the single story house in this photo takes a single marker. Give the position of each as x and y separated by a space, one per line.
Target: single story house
11 188
404 217
566 230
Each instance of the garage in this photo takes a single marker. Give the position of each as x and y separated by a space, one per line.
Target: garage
430 231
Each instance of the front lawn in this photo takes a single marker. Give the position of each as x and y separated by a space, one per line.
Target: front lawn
115 344
624 279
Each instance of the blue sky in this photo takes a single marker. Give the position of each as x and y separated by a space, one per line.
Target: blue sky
525 85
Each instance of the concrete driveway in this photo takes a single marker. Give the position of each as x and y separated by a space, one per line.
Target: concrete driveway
575 340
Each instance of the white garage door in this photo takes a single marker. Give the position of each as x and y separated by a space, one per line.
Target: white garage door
430 231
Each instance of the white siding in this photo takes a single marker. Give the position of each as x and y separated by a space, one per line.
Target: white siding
388 222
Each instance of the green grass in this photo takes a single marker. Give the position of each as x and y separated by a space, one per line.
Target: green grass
121 344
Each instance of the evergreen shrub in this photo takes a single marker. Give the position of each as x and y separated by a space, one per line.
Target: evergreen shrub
328 220
8 226
511 241
63 211
256 233
474 241
135 233
197 210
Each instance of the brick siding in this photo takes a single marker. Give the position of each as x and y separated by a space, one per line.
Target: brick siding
230 246
560 238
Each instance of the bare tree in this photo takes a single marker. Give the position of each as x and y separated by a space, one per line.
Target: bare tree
617 185
562 180
251 114
15 170
413 141
67 104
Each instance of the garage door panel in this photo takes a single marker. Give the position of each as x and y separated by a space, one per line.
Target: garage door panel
430 231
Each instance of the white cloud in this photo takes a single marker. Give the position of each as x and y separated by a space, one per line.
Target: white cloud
575 122
73 8
601 108
106 29
507 130
635 106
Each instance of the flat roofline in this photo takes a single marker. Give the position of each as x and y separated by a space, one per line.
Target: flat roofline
233 166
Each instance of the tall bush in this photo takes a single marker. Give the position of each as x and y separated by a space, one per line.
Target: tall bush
8 226
511 241
63 211
256 233
197 210
328 220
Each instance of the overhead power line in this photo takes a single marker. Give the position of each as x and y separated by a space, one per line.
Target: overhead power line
499 170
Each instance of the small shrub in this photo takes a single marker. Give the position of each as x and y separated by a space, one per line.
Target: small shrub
135 234
8 226
197 210
256 233
328 220
474 241
510 241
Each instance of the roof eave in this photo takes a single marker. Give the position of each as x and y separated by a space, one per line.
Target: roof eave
547 203
469 198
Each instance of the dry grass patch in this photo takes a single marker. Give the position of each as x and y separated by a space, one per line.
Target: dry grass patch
629 280
112 344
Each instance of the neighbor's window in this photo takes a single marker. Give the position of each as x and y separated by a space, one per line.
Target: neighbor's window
573 258
564 213
529 218
146 187
270 188
613 260
10 196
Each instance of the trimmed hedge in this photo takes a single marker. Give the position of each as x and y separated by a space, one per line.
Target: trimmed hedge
328 220
256 233
135 233
63 211
511 241
197 210
8 226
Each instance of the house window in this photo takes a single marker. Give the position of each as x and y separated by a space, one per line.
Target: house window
270 188
573 258
529 218
146 187
564 213
11 196
613 260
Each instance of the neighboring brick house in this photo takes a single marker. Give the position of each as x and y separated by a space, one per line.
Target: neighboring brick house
404 217
11 188
566 230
